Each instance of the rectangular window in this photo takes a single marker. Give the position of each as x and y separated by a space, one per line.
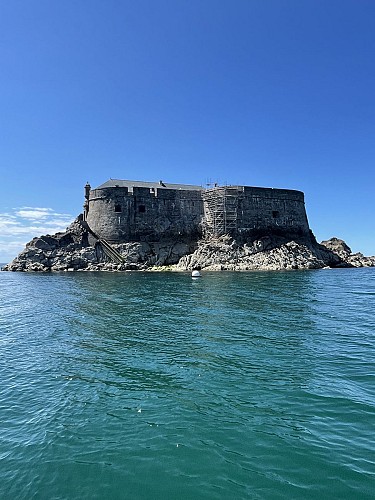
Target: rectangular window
275 214
118 208
141 209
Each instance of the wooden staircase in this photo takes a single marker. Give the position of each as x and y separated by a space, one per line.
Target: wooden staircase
108 249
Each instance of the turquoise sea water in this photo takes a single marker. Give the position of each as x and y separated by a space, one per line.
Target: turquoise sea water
157 386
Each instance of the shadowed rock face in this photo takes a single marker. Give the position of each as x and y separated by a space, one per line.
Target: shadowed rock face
338 247
71 251
57 252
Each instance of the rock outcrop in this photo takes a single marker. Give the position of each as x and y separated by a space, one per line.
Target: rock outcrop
266 253
71 251
273 253
75 250
339 248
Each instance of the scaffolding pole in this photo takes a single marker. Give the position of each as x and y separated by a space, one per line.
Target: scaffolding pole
221 210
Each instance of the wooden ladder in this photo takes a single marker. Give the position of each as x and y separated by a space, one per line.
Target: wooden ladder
108 249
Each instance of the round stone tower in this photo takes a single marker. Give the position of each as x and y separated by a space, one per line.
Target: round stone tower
121 211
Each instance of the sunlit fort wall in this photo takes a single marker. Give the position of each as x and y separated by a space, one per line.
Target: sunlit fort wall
124 211
248 212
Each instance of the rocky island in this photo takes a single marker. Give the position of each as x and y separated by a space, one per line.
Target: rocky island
134 225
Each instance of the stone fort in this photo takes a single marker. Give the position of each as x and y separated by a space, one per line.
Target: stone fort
124 211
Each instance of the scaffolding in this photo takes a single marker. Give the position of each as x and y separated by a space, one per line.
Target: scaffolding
221 210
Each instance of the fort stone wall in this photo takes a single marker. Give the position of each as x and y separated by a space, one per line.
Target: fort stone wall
144 214
155 211
272 210
245 212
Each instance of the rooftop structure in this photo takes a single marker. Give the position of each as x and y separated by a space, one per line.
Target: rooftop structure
111 183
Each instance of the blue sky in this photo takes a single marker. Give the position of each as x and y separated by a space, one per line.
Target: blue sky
275 93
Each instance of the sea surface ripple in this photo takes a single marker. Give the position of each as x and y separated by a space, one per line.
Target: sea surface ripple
157 386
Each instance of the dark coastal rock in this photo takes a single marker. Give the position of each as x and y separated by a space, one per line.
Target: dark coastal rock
263 254
338 253
272 253
70 251
44 243
52 253
337 246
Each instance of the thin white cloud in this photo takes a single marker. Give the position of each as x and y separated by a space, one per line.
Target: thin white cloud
7 216
36 213
7 223
32 214
43 209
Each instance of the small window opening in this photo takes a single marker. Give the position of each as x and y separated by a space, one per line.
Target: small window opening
275 214
118 208
141 209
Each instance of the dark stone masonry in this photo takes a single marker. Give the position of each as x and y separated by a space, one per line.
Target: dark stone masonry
122 211
135 225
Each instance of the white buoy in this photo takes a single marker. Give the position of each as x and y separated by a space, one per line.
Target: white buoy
196 274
